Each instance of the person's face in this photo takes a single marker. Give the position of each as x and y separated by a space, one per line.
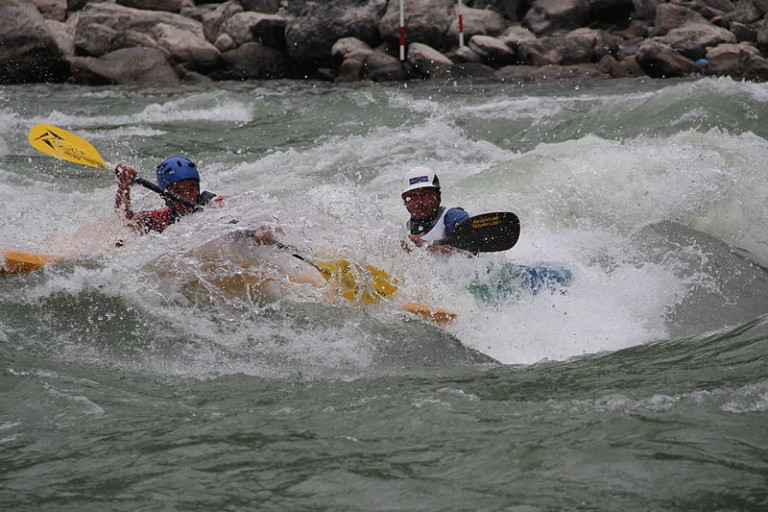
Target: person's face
188 189
422 202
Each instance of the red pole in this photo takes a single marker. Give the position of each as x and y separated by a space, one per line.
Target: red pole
402 32
461 23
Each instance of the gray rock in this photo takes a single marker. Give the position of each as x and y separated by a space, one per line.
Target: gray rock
755 68
350 47
265 6
224 43
509 9
104 26
578 46
315 26
671 16
548 16
658 60
493 51
645 10
427 22
516 34
623 68
514 74
128 66
181 45
255 60
52 9
351 70
381 67
214 21
473 71
153 5
477 22
692 39
245 27
745 12
428 62
466 54
743 32
728 59
28 52
64 35
616 12
270 30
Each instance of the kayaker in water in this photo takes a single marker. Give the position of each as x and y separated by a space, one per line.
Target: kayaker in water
178 175
429 220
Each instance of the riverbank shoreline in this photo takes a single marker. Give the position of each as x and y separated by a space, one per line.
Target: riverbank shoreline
168 42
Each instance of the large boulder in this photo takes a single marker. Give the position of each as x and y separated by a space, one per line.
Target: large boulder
549 16
671 16
265 6
358 61
28 50
255 60
493 51
728 59
428 62
103 28
620 68
349 55
576 47
692 39
755 68
64 35
509 9
215 20
426 21
645 10
154 5
477 22
660 61
249 26
762 35
615 12
314 27
100 20
128 66
52 9
349 47
183 46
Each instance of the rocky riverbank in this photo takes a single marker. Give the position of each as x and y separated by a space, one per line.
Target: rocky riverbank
165 42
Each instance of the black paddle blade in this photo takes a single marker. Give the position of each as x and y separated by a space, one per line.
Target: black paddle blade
489 232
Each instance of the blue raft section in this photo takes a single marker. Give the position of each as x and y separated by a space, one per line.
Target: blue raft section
505 281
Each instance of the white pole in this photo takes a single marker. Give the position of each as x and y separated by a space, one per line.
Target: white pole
461 23
402 32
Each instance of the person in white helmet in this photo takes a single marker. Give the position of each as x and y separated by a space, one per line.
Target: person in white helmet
429 220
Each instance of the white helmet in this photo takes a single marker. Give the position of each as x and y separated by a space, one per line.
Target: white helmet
420 177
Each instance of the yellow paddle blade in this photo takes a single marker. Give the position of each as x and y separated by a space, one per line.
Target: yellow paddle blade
356 282
64 145
15 262
438 316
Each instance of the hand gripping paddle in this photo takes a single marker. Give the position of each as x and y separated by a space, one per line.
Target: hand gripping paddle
60 143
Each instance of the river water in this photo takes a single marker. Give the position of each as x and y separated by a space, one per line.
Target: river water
130 381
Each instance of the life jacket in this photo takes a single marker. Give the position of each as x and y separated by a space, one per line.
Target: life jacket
431 228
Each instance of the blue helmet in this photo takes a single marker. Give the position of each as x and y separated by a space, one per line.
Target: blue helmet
175 169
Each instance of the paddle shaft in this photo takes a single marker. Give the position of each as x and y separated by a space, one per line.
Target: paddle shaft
167 193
